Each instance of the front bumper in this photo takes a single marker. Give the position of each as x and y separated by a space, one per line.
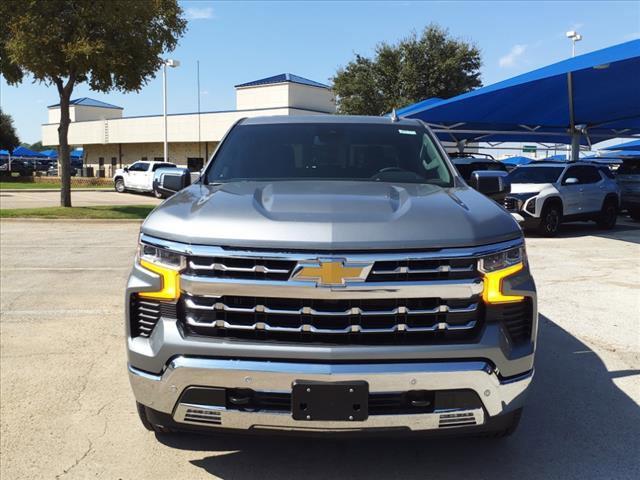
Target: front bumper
162 392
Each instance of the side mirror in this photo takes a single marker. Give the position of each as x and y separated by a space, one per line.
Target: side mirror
126 169
491 183
168 181
571 181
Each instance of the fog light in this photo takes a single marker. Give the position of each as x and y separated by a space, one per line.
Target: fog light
492 292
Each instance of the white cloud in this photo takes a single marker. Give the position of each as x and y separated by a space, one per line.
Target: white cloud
195 13
511 58
204 92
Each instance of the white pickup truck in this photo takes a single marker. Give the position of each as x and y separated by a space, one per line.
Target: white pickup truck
139 176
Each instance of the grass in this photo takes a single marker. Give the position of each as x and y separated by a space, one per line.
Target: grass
117 212
33 185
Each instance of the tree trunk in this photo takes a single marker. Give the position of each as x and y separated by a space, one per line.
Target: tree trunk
63 130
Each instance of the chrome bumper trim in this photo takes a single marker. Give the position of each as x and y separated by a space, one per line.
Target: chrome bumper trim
449 289
203 415
161 392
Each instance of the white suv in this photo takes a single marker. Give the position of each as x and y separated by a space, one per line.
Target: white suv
139 176
546 194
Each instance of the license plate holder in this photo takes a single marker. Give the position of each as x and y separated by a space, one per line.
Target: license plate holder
330 401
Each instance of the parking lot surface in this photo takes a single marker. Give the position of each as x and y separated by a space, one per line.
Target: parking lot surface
27 199
67 410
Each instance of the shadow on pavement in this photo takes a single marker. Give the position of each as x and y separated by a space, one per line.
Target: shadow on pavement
626 230
577 424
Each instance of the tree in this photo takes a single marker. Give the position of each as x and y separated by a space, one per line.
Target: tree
113 44
37 147
418 67
8 136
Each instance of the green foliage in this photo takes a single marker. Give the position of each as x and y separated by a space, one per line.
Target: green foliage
109 44
115 212
8 136
418 67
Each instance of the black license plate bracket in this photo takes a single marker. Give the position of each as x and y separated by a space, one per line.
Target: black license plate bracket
330 401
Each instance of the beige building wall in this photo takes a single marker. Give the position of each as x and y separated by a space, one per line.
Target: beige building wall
122 155
314 98
262 96
81 113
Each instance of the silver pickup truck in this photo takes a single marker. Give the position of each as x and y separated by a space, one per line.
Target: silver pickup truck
331 273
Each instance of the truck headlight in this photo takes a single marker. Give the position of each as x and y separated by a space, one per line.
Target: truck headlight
495 269
165 263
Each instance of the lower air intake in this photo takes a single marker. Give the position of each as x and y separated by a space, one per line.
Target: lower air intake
205 417
448 420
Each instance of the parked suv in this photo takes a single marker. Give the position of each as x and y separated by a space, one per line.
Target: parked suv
546 194
138 177
331 273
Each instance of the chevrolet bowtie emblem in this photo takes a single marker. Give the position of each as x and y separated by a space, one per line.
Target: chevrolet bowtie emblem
331 272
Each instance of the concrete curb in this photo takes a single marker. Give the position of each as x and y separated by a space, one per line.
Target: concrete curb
70 220
18 190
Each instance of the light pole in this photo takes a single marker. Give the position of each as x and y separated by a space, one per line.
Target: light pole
574 37
173 64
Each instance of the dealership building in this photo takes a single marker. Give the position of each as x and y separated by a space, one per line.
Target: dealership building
112 140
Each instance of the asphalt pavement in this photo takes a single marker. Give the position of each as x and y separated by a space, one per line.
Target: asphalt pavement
67 411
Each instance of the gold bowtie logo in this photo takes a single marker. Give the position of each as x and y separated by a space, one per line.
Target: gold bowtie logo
331 272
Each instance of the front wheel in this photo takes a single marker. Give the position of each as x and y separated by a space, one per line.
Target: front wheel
157 194
550 221
120 188
608 216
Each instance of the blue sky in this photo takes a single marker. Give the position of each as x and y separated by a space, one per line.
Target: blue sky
236 42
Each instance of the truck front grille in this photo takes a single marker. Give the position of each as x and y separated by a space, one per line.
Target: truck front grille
240 268
375 321
422 270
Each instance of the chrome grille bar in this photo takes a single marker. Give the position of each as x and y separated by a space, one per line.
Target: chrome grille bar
440 269
220 306
400 327
221 267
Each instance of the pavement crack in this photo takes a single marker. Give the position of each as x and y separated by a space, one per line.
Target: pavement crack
77 461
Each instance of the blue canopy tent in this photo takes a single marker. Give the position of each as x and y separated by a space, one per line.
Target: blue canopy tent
633 145
582 100
515 161
76 153
50 153
25 152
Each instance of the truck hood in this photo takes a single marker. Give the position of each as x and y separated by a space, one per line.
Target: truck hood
327 215
529 187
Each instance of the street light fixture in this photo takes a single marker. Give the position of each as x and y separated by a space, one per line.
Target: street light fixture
173 64
574 37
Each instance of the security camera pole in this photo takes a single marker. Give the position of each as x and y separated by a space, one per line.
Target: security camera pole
171 63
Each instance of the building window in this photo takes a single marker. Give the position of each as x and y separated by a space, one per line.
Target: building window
158 159
195 164
144 159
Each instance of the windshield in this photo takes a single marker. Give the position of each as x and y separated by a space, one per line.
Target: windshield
535 174
340 151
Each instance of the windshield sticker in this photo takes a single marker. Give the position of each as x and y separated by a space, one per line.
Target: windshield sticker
407 132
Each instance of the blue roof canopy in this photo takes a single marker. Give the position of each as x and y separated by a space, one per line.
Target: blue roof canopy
89 102
515 161
633 145
283 77
25 152
596 94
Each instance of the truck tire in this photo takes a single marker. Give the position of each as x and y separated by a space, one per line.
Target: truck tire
505 426
119 185
635 214
608 216
157 194
142 413
550 220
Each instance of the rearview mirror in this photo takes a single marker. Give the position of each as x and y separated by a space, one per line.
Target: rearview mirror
168 181
571 181
491 183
